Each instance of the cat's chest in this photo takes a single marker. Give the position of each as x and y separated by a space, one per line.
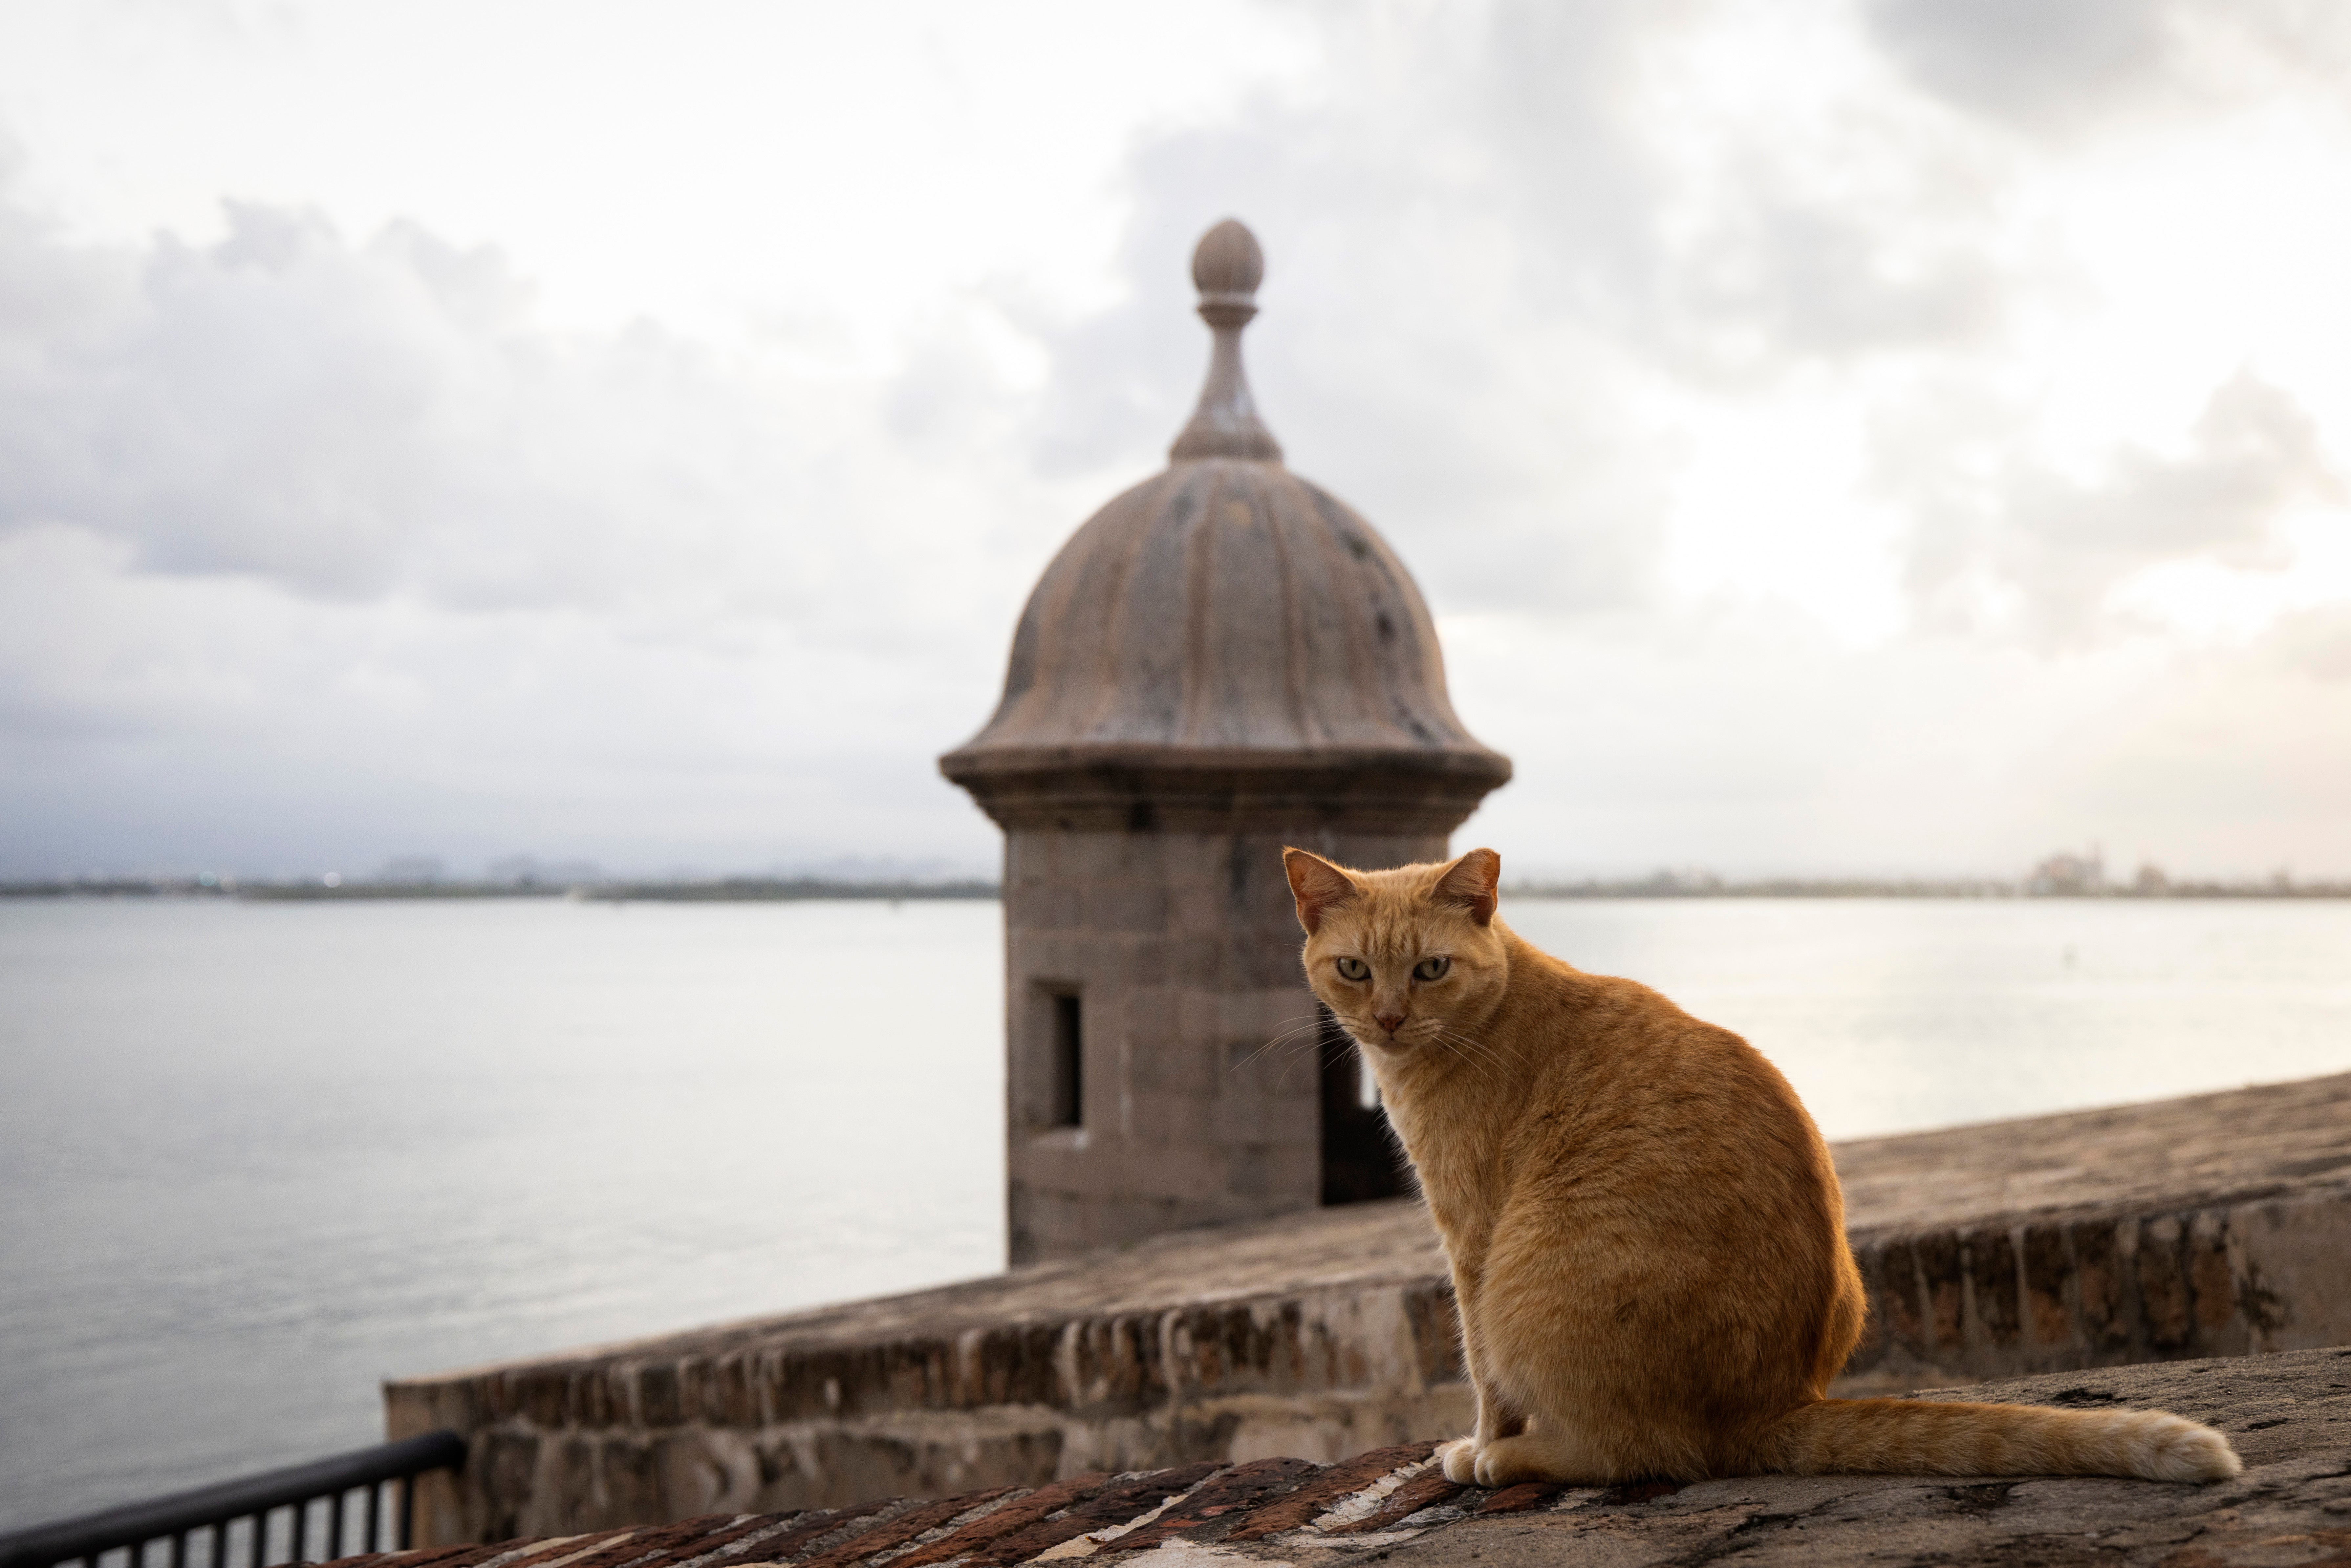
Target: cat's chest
1452 1137
1461 1177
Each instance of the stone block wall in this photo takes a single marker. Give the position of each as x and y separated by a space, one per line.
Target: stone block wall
2051 1292
1320 1375
1181 949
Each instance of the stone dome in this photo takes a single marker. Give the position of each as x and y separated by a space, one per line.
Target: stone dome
1225 641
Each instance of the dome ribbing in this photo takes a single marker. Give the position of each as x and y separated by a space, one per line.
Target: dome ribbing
1226 637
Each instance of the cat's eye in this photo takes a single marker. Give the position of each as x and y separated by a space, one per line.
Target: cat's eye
1431 968
1354 969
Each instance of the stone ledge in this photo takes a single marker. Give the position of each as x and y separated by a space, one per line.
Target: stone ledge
2215 1225
2220 1224
2288 1414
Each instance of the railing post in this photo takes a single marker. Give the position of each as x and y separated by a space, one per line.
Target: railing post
215 1510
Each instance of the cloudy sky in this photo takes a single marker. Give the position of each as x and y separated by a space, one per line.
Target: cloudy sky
1889 436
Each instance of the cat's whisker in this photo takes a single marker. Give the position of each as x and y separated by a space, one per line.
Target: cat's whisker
1298 1051
1294 1057
1287 1042
1305 1031
1464 1038
1479 1056
1468 1045
1490 1059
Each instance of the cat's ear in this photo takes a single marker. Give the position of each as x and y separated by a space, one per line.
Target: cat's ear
1317 884
1473 882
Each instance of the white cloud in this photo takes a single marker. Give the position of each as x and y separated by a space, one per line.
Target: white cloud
2004 536
2070 67
353 421
1809 426
309 540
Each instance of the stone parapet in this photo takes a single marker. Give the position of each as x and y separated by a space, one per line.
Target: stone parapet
2103 1290
2216 1224
2289 1418
1319 1334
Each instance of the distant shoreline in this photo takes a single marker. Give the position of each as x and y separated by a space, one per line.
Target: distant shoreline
1793 888
785 890
727 890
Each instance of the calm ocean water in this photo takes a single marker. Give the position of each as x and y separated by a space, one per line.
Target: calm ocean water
256 1157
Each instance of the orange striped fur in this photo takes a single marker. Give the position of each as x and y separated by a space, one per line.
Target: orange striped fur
1645 1229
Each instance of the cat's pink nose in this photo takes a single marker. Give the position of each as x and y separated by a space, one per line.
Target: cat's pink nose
1388 1021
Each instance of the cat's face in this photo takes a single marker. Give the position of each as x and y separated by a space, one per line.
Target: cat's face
1403 958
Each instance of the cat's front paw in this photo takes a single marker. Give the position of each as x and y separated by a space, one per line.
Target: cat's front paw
1506 1461
1459 1458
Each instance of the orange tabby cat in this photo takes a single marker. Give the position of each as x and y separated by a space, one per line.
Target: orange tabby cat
1646 1235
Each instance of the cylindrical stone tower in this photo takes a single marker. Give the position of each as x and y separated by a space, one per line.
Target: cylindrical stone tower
1222 661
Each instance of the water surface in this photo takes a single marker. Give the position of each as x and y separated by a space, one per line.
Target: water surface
1894 1015
255 1158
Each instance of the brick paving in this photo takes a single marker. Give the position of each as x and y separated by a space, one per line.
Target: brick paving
1107 1516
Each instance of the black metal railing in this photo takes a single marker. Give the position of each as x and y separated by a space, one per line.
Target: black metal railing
238 1523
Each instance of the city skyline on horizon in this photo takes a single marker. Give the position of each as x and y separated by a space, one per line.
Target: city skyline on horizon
2074 871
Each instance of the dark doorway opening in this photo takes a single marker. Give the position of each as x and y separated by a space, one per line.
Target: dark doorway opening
1361 1160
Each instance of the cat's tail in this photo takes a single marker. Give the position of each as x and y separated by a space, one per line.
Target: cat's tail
1922 1437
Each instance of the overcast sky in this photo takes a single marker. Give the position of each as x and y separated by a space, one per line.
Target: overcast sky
1881 438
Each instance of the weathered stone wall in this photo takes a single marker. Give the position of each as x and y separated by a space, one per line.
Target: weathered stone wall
1322 1374
1181 948
2288 1416
2215 1225
2102 1289
1324 1333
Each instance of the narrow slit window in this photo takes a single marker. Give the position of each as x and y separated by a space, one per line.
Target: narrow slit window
1069 1105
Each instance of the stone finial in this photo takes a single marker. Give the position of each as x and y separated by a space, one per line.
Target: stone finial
1227 265
1226 268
